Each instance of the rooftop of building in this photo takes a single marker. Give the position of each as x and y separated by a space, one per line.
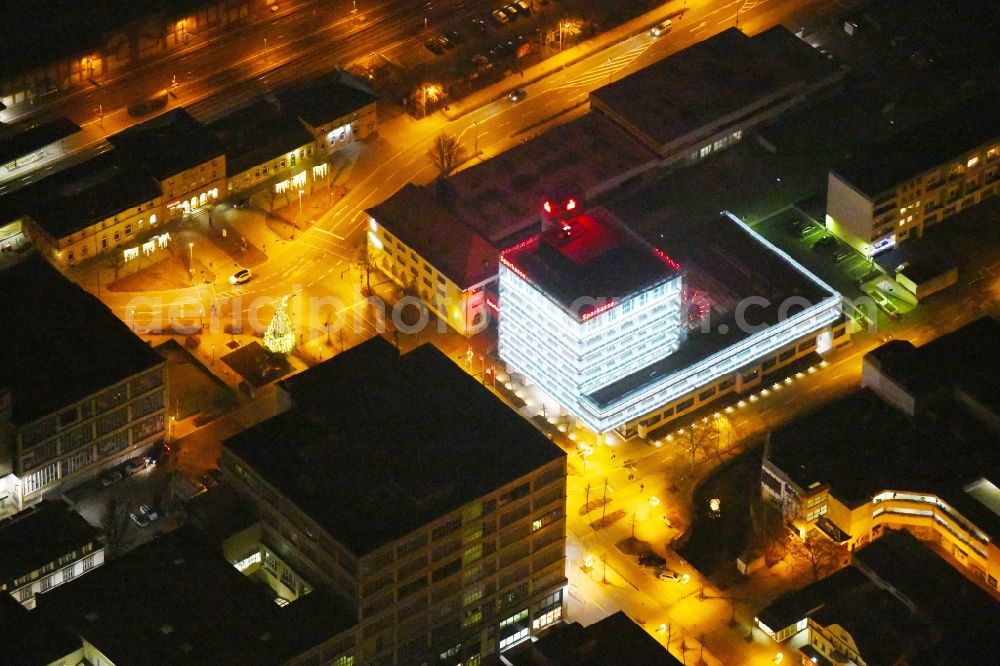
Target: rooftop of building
62 343
712 80
884 450
257 134
168 144
409 438
41 534
72 28
870 601
965 617
17 141
176 600
579 260
32 638
725 264
420 221
502 195
964 358
87 193
321 101
614 640
880 167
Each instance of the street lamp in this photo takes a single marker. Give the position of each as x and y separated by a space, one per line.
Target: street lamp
191 257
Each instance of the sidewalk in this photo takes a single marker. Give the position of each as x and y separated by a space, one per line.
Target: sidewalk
562 59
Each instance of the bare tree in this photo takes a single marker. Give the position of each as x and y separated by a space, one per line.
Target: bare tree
768 528
366 264
821 555
115 523
446 154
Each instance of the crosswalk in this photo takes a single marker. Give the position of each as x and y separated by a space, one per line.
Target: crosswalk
607 70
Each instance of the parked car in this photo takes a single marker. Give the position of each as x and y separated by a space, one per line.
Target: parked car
139 519
136 465
651 560
661 28
454 37
479 26
667 574
211 478
517 95
111 476
444 41
806 229
523 7
434 47
149 512
499 18
510 11
241 276
825 245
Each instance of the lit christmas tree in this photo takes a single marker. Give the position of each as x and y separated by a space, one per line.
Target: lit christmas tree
279 338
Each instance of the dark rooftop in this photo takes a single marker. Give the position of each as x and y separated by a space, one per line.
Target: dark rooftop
168 144
72 27
581 158
325 100
711 80
951 621
965 358
881 166
966 618
883 449
84 194
41 534
21 141
788 609
614 640
590 257
724 264
256 134
408 438
32 638
415 217
62 343
176 600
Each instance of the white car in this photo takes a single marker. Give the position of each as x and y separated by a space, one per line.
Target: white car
661 28
148 512
240 277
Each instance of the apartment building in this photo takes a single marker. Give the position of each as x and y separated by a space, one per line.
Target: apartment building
43 547
337 109
749 80
914 449
898 602
79 392
199 610
100 207
445 532
186 160
891 191
424 248
264 145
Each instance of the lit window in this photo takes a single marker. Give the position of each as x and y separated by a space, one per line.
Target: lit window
973 161
152 219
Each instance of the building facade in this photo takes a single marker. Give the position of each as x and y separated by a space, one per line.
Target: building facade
472 567
43 547
888 194
454 277
77 400
645 388
338 110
